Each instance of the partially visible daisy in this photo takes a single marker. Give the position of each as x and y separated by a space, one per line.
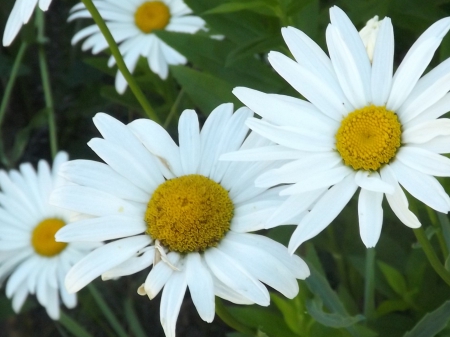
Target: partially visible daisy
132 23
20 15
362 128
29 254
180 206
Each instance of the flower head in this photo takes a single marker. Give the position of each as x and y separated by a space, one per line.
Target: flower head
360 128
132 24
179 209
20 15
29 254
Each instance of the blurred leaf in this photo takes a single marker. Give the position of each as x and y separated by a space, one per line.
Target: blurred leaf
72 326
265 319
389 306
334 320
257 46
293 310
127 99
394 278
431 323
230 7
206 91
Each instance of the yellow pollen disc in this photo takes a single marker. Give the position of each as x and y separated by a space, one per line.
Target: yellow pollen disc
152 15
369 137
43 237
189 213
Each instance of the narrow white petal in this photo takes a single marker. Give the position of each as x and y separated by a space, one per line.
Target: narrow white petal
422 186
426 131
272 152
372 181
424 161
324 211
171 300
320 180
201 286
435 111
102 259
398 200
415 62
370 215
236 277
382 64
189 140
131 266
328 99
159 275
263 266
102 228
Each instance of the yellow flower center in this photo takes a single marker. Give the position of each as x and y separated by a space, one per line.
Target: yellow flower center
43 237
189 213
152 15
369 137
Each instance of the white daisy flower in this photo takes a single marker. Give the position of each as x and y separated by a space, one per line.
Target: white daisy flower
180 205
362 127
20 15
132 23
29 254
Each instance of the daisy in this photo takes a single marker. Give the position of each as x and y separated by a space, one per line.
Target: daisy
29 255
20 15
180 209
360 128
132 23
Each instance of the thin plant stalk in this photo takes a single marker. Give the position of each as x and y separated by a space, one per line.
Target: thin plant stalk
369 284
431 255
150 112
45 77
107 312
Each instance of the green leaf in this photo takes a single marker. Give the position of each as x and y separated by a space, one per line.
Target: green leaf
394 278
432 323
293 311
265 320
333 320
389 306
257 46
133 321
230 7
72 326
206 91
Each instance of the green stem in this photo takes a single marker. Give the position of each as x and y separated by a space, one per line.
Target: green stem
119 61
12 80
229 320
107 312
369 284
72 326
431 255
45 77
173 109
445 231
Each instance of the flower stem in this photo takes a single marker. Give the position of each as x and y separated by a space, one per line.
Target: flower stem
119 60
45 77
431 255
107 312
369 284
229 320
72 326
173 109
12 80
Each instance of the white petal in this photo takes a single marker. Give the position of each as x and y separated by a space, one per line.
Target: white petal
370 215
159 275
426 131
324 211
131 266
171 300
201 286
371 181
422 186
189 140
236 277
382 64
424 161
103 228
398 200
102 259
435 111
